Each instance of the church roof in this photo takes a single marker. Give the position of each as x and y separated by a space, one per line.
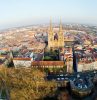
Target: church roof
47 63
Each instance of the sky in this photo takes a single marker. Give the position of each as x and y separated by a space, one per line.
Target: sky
14 13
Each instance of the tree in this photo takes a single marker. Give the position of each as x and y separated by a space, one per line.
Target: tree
47 58
27 84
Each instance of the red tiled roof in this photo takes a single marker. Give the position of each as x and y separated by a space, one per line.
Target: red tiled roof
47 63
22 59
86 62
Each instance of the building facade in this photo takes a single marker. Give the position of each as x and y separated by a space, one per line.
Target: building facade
22 62
82 66
47 64
55 40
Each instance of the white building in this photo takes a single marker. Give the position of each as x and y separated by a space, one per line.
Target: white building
87 66
22 62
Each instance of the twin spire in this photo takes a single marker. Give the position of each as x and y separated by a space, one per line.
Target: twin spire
51 28
55 39
60 26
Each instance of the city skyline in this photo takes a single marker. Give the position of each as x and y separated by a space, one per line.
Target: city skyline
15 13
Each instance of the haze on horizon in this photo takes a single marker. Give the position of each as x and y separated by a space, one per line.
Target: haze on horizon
15 13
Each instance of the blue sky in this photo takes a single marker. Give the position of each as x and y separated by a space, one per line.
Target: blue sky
26 12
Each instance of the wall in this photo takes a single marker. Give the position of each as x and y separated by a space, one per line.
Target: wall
87 66
22 63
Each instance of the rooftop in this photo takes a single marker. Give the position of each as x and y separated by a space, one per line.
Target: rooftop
48 63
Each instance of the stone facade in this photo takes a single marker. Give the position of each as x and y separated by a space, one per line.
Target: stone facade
55 40
69 63
87 66
22 62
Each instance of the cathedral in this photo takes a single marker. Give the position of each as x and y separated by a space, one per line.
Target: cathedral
55 40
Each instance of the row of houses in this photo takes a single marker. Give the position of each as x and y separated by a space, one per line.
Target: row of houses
26 62
30 62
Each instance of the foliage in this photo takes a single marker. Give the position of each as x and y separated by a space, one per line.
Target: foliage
26 84
9 63
51 55
47 58
65 68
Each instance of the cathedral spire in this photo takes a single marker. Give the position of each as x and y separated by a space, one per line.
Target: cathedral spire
51 29
60 27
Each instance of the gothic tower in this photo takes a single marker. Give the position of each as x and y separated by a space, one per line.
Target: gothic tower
61 36
55 40
50 36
